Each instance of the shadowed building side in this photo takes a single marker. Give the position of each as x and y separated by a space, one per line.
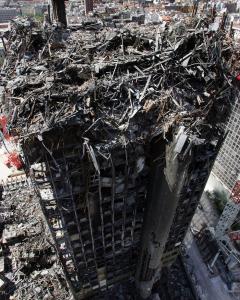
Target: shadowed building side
174 193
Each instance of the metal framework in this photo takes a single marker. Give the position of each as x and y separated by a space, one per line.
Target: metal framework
94 208
95 203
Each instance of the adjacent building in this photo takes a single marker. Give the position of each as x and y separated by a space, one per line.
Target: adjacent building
227 165
7 14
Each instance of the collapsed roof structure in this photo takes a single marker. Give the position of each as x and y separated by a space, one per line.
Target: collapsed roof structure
119 129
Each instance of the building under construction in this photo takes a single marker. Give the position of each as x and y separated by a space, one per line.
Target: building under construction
119 129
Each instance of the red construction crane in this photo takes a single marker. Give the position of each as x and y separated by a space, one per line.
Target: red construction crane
235 194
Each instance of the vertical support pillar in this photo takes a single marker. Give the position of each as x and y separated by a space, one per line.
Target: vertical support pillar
59 12
163 198
195 7
224 20
88 6
49 13
177 182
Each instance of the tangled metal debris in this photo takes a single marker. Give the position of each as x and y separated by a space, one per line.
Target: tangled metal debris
116 83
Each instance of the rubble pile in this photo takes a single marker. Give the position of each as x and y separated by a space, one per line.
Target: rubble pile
132 82
29 267
174 283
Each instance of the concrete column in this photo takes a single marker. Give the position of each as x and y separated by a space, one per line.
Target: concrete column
88 6
164 192
59 12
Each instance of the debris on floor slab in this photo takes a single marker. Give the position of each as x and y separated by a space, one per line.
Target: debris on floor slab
29 266
106 79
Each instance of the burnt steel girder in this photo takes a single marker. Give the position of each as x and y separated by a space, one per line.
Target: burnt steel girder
59 11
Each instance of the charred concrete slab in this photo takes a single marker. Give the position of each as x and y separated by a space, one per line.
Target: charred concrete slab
59 12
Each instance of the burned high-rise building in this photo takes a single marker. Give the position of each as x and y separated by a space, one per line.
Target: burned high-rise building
119 130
